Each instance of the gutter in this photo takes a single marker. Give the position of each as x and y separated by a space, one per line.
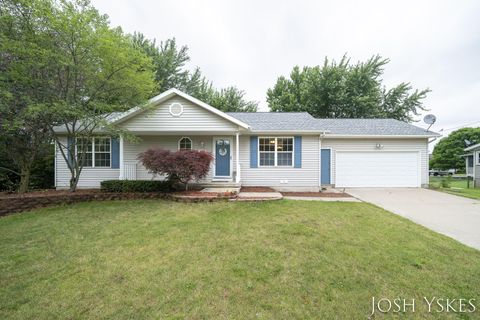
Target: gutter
313 132
390 136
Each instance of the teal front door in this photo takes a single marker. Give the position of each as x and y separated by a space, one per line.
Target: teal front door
222 157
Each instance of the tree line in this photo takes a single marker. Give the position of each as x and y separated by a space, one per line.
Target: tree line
62 65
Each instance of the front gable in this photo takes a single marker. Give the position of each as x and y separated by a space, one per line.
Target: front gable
178 112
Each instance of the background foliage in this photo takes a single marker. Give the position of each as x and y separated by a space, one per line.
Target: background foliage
170 72
447 153
345 90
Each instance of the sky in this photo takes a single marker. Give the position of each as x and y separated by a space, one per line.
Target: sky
249 44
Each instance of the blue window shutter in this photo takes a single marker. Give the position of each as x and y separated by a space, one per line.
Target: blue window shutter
253 151
298 151
115 153
70 145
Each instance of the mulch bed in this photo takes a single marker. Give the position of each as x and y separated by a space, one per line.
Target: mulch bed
317 194
46 193
15 202
256 189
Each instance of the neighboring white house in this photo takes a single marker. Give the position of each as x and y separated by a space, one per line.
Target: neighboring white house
286 151
472 163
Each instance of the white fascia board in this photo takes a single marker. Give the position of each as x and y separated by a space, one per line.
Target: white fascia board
313 132
472 147
170 93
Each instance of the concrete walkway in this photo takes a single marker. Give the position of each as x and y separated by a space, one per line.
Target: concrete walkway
451 215
259 196
328 199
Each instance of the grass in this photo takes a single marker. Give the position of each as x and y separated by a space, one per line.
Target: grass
456 186
273 260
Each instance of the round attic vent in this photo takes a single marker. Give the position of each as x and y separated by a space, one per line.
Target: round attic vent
176 109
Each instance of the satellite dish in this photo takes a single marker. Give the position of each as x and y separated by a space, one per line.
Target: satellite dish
467 142
429 119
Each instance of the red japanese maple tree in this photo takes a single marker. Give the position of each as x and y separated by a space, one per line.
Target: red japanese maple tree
181 166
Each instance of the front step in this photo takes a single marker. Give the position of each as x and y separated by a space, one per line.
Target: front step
218 184
259 196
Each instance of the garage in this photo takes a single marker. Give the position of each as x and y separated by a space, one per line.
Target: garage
377 169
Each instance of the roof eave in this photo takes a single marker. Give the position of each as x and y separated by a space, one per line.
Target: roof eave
391 136
293 131
475 146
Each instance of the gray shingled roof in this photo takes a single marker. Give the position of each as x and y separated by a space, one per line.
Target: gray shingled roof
270 121
371 127
276 120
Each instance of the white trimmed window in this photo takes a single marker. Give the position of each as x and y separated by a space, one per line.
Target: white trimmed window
275 151
478 158
185 143
97 151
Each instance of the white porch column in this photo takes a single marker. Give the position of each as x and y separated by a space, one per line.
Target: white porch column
237 156
122 166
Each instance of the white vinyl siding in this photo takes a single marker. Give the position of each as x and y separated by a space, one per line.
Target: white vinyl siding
131 151
192 119
476 169
304 178
89 178
388 145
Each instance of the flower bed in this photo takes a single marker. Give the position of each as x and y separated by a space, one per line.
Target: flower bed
12 203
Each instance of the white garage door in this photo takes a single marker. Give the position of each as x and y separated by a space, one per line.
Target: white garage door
377 169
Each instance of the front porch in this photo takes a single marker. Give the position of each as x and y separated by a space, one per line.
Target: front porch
225 169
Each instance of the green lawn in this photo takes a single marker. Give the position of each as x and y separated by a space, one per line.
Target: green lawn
457 187
275 260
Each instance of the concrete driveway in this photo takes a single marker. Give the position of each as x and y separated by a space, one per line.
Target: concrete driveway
454 216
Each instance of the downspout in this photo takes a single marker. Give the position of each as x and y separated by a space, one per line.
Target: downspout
320 137
474 162
122 166
55 166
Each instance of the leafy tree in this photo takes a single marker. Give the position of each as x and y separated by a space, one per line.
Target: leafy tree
170 72
85 70
345 90
229 99
169 62
180 166
23 138
447 153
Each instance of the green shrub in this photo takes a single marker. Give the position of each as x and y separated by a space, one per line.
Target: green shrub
446 183
136 186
